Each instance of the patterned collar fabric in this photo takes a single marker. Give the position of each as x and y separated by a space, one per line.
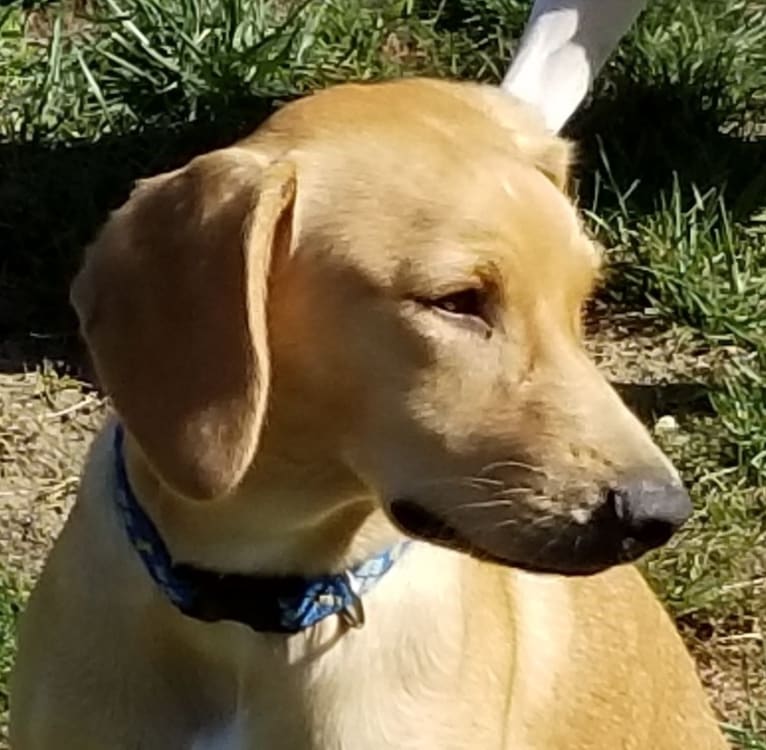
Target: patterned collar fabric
275 604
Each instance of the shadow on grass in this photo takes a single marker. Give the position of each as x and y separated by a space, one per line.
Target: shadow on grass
652 400
53 198
653 133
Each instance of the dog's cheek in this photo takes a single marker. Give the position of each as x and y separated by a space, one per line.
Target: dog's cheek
339 347
469 395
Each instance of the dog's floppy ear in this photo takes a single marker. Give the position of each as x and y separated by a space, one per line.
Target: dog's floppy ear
172 304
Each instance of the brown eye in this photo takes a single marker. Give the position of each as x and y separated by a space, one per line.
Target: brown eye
466 302
469 308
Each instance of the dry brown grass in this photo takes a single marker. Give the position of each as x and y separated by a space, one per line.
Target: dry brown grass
46 423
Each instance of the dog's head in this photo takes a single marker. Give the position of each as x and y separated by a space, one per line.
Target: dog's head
384 284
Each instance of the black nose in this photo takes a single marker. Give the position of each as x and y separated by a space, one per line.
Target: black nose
650 511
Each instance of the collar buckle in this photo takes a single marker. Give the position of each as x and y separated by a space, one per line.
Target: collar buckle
353 613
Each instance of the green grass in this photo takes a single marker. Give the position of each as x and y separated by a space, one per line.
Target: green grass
10 601
749 738
671 171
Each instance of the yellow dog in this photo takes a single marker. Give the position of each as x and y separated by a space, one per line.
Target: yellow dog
362 460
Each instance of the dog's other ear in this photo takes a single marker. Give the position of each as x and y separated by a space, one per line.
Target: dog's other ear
172 304
550 154
546 151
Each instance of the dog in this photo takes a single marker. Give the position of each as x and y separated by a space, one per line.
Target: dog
364 488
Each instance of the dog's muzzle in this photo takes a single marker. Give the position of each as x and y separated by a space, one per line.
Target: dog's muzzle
630 518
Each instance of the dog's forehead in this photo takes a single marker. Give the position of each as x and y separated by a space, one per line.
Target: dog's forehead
422 133
397 175
395 213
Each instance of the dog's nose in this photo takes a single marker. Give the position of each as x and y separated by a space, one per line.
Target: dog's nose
650 511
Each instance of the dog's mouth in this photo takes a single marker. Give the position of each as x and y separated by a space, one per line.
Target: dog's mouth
416 521
558 547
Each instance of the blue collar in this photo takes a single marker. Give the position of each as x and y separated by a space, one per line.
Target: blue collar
280 604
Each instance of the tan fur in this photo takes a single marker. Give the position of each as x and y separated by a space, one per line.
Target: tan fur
262 320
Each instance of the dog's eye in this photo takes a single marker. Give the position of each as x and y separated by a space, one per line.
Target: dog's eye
467 307
466 302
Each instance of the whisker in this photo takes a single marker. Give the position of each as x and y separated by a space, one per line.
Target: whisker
470 481
507 522
481 482
510 464
516 491
482 504
500 498
531 522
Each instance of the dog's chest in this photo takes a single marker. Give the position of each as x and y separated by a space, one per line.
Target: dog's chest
365 688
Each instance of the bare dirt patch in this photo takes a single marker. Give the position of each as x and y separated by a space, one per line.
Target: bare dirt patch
46 423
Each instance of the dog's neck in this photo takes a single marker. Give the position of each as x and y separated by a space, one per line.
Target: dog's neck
299 519
262 601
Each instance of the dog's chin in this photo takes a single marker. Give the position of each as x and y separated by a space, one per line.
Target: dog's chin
559 554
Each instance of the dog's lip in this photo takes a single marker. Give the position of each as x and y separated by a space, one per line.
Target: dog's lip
415 520
418 522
